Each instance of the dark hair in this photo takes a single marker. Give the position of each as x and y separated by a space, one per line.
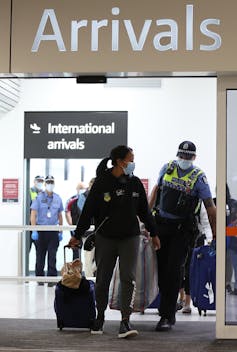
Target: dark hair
228 196
119 152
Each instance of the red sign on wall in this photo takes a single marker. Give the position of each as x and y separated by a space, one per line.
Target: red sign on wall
145 184
10 190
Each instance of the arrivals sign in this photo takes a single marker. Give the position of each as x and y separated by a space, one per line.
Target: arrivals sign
87 36
71 135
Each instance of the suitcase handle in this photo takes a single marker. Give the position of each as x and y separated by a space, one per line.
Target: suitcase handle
64 251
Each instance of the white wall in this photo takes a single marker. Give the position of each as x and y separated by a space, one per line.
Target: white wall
158 120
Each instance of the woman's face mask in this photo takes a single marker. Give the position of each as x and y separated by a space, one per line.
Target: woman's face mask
184 164
128 170
49 187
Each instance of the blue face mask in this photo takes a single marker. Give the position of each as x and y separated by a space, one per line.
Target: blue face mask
39 186
128 170
184 164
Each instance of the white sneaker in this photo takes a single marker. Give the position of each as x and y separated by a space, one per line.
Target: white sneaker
186 310
125 330
97 328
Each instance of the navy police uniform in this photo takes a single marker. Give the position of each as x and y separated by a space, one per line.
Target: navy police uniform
181 191
48 208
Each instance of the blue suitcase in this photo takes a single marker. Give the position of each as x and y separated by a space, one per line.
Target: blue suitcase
75 308
203 278
155 303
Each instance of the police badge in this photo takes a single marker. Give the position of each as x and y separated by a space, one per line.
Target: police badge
107 197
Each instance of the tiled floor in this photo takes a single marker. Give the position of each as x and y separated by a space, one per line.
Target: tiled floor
30 301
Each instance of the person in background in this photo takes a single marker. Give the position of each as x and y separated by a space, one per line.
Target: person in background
73 209
34 191
47 209
73 212
116 200
198 239
182 185
231 243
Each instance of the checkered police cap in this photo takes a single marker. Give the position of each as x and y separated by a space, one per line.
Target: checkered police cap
49 178
187 149
38 177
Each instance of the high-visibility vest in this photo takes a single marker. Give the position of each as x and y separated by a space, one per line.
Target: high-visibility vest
33 194
176 193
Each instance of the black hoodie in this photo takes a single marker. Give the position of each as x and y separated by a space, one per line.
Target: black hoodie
118 202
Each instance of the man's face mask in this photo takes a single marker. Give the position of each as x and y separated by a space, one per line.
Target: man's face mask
49 187
128 170
39 186
184 164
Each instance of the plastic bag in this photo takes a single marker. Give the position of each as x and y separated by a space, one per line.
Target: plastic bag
146 279
72 274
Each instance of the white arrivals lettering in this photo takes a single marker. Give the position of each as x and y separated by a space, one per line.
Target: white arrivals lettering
137 41
40 36
68 145
216 37
172 34
87 128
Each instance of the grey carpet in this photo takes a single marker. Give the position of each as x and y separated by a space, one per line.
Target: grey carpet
35 335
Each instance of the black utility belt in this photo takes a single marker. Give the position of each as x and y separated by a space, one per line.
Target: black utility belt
163 220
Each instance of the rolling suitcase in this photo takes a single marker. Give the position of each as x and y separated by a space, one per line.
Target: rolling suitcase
156 303
75 308
203 278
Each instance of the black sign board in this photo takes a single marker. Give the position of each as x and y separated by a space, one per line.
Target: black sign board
73 134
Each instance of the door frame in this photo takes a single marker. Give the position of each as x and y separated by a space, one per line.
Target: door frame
224 83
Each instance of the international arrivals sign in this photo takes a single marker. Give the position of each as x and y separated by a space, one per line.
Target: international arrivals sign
72 135
90 36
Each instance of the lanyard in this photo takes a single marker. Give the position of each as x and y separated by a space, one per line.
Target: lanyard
49 202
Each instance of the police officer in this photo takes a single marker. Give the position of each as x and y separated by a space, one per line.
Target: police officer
37 187
181 186
47 209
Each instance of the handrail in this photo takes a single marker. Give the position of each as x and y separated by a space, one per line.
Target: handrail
36 278
20 229
38 227
31 278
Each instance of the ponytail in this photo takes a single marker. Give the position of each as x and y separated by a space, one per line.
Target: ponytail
116 153
102 167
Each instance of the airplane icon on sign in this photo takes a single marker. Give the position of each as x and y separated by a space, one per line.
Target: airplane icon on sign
35 127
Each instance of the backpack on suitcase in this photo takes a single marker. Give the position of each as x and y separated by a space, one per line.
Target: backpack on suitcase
75 307
203 278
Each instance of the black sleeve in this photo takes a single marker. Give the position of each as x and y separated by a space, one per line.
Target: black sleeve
88 211
144 212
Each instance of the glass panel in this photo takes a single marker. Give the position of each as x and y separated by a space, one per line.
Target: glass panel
67 174
231 210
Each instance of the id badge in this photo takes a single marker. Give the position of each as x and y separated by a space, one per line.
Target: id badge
48 214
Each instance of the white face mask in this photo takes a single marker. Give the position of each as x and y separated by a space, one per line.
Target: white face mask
49 187
184 164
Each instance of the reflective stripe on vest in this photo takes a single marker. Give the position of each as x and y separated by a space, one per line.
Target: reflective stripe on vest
184 183
33 194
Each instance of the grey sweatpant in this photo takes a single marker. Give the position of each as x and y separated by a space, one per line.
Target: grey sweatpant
106 252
